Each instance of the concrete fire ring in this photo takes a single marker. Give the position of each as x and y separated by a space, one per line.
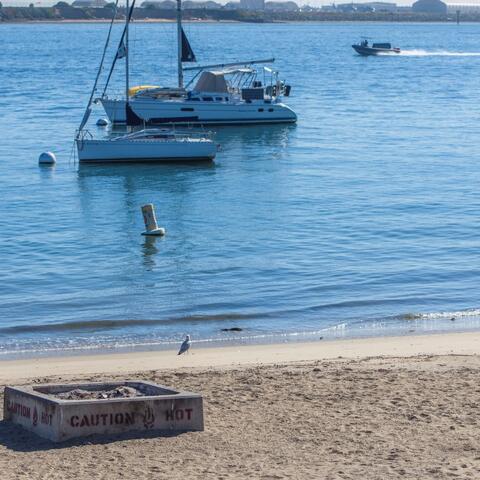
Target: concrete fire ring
161 409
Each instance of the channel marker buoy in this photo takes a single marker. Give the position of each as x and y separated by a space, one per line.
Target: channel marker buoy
151 226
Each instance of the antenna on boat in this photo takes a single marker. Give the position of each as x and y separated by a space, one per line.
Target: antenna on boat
179 43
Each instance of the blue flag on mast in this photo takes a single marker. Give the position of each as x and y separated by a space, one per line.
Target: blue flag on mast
187 52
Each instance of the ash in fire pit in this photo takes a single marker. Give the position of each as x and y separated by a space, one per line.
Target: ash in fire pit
117 392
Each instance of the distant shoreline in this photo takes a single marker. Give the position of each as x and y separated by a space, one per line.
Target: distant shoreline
63 12
104 20
210 21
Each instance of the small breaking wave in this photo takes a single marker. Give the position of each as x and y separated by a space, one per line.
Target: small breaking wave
473 312
114 324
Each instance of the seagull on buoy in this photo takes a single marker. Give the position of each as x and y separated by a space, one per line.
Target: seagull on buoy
185 345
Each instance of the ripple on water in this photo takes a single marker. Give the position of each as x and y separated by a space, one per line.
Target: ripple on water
360 220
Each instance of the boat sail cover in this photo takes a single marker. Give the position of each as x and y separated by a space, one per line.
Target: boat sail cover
211 81
187 52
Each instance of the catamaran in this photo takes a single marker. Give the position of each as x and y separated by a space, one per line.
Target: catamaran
144 145
222 94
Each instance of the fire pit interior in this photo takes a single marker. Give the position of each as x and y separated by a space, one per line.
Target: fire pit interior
103 391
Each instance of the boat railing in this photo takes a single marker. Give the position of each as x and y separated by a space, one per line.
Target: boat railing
82 135
166 133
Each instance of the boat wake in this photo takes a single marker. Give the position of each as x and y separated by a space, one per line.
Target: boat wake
438 53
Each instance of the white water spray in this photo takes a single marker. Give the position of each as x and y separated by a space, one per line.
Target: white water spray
438 53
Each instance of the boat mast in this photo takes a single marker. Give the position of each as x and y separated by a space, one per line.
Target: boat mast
179 43
127 80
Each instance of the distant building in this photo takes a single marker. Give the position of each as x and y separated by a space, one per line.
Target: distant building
165 5
430 6
281 6
308 8
261 5
89 3
463 8
354 7
186 5
207 5
252 4
364 7
382 6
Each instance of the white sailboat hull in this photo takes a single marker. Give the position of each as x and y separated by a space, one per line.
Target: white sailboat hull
137 150
161 112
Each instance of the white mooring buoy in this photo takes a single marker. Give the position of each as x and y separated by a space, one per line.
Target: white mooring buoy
47 158
151 226
102 122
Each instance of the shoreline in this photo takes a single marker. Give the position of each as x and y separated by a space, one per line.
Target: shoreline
106 20
225 357
209 21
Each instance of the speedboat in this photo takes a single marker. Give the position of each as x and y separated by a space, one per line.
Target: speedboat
146 145
249 92
363 48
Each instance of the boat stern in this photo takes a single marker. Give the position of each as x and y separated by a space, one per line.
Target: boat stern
287 114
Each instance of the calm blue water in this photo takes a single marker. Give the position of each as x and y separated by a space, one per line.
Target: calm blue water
363 219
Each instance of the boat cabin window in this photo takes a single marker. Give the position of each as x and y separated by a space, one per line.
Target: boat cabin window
270 109
194 99
207 99
219 99
260 109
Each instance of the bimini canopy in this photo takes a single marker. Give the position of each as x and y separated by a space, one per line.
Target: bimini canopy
211 82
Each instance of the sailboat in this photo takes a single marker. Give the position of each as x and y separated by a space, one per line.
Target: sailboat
147 145
221 94
144 145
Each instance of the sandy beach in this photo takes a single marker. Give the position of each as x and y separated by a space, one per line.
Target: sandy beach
382 408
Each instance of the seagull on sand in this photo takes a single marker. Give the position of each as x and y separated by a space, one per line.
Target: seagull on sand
185 345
